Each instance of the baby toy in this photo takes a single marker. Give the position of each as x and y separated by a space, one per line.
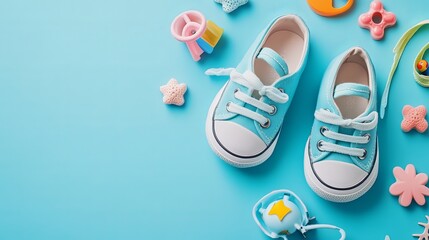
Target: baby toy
173 92
409 186
281 213
414 118
230 5
422 66
425 234
397 51
326 8
420 71
199 35
377 20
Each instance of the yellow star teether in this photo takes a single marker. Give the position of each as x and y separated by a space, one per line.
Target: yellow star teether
280 210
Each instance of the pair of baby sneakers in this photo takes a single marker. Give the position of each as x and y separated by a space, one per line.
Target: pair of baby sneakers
246 117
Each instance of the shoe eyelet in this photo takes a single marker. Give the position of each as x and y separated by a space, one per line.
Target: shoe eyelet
281 90
364 155
319 145
227 106
267 124
274 110
236 90
323 130
368 136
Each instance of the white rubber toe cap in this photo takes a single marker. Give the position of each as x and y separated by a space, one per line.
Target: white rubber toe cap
238 140
340 175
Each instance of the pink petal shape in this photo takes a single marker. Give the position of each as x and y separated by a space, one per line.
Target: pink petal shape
376 5
390 18
397 188
399 174
410 170
421 178
378 31
365 19
405 198
423 190
419 198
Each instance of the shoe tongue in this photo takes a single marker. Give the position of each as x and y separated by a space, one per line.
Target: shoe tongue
274 59
352 89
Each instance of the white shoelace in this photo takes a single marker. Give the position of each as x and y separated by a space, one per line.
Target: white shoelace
251 81
361 123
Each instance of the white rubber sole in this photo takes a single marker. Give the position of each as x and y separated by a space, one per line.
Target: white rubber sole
222 153
333 195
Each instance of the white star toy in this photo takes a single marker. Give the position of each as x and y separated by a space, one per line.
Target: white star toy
230 5
425 234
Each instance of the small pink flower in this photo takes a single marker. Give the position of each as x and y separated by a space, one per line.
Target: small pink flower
409 186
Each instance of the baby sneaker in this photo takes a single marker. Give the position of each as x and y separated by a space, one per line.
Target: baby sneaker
341 156
246 116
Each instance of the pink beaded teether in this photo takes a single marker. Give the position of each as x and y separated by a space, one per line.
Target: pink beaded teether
414 118
377 19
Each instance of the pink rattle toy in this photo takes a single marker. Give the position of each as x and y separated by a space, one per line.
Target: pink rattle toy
377 20
199 35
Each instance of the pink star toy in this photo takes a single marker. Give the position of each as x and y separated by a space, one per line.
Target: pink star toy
173 92
409 186
414 118
377 20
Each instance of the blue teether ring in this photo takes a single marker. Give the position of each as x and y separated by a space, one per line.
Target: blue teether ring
281 213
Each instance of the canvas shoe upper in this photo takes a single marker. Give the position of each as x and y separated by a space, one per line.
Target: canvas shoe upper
341 156
246 116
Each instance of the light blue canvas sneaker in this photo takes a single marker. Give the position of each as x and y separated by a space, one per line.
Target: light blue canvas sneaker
246 116
341 156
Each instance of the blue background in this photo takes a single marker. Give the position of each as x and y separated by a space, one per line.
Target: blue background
89 151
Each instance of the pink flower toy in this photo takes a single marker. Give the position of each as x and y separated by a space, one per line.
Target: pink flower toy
414 118
377 20
409 186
